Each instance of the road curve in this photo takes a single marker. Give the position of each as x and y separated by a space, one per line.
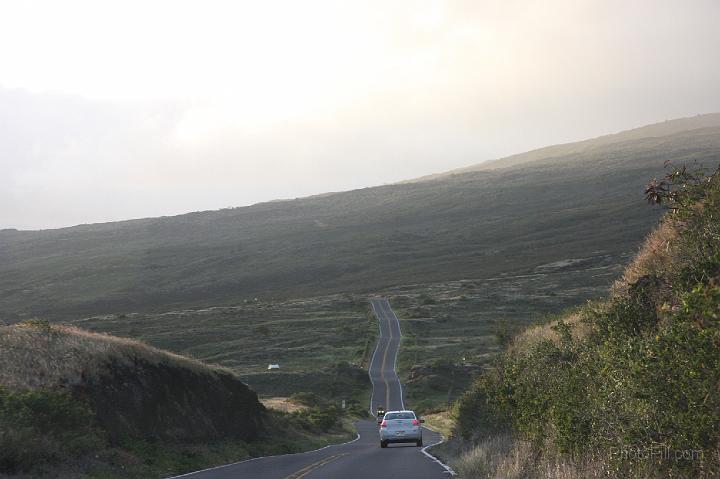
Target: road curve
362 458
387 390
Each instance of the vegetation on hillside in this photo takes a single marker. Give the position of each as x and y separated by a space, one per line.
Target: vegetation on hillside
453 330
81 404
476 224
322 344
627 386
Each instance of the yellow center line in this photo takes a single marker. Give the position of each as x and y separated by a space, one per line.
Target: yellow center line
314 466
382 368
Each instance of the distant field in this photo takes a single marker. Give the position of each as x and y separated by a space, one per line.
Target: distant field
450 331
330 336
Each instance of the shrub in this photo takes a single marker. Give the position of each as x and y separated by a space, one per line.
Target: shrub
426 300
479 410
645 375
317 419
39 427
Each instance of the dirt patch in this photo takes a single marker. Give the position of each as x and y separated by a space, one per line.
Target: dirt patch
163 401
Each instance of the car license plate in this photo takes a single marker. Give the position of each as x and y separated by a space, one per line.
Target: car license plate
400 433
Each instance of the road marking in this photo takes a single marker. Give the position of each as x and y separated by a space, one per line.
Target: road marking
424 450
385 352
382 368
381 308
253 459
372 360
397 350
315 466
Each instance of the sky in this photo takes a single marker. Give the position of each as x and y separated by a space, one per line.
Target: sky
117 110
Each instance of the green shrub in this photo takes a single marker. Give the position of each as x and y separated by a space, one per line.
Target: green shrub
38 427
427 300
646 377
478 412
317 419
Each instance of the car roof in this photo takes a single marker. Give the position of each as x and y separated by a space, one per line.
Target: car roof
404 410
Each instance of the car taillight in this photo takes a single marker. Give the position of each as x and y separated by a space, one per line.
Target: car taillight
416 422
383 424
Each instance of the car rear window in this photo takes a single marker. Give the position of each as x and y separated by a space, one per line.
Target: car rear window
399 415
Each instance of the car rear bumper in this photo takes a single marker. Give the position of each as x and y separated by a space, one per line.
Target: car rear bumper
400 440
409 436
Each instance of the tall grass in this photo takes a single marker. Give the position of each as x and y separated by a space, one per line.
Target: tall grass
38 355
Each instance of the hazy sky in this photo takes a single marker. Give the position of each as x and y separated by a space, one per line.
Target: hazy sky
115 110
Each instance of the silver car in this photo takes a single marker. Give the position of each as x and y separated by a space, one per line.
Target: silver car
401 426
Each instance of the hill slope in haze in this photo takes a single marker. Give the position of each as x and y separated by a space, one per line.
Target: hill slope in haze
656 130
568 203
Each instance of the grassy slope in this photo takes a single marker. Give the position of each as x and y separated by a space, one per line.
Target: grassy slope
80 404
322 344
476 224
625 386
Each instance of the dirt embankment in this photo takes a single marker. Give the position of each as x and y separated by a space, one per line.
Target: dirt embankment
170 402
67 394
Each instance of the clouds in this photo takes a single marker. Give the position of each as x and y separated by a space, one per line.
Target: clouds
164 107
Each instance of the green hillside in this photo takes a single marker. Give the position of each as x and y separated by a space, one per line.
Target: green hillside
565 203
625 386
79 404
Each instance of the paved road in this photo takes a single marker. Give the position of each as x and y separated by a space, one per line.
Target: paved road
387 389
361 458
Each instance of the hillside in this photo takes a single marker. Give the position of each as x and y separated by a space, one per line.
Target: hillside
625 386
656 130
80 404
65 393
571 202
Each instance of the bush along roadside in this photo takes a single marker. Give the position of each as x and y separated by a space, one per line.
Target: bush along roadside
39 427
628 386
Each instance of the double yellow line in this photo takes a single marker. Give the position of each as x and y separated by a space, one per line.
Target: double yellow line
382 368
315 466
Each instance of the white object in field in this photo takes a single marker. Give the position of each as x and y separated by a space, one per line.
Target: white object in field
273 366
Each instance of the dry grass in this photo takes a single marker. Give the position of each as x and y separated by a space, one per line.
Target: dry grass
545 332
441 422
501 457
283 404
655 257
38 355
485 459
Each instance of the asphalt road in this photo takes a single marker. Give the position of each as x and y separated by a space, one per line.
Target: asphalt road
387 390
362 458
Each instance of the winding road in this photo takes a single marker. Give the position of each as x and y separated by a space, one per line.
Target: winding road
362 458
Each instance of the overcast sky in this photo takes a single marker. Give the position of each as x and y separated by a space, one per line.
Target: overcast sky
116 110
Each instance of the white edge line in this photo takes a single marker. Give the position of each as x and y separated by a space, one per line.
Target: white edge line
263 457
447 468
372 360
402 399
